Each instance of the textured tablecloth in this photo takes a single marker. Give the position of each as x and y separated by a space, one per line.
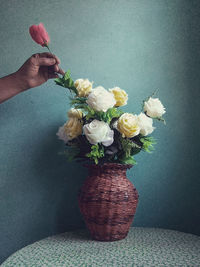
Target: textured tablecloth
143 247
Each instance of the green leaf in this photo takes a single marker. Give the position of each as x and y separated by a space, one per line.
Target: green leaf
71 83
127 149
113 113
71 152
96 153
135 149
160 119
127 146
67 82
148 143
67 75
59 81
84 107
101 115
128 160
78 100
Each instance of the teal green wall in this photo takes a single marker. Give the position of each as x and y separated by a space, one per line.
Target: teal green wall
138 45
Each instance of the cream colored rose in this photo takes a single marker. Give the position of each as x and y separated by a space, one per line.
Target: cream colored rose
70 130
75 113
100 99
83 86
146 124
120 96
98 132
128 125
154 108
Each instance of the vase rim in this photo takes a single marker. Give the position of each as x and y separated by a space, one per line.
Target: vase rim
109 165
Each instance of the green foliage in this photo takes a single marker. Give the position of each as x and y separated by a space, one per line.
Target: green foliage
127 151
71 152
67 82
160 119
112 113
128 160
103 116
96 153
78 100
148 143
127 146
80 103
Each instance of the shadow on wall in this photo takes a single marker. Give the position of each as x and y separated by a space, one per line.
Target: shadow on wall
59 181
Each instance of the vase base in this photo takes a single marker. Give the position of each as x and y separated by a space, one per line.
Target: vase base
109 238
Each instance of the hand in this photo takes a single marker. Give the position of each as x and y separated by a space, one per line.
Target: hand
34 72
37 70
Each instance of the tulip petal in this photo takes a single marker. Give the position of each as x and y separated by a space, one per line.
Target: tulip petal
39 34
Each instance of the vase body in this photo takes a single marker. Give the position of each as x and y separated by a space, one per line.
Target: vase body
108 201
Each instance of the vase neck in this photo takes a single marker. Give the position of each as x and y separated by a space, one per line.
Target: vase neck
109 170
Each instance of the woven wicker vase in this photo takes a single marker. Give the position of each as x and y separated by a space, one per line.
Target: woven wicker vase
108 201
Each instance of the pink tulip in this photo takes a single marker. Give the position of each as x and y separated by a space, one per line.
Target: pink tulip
39 34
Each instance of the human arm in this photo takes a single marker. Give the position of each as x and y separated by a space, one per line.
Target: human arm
34 72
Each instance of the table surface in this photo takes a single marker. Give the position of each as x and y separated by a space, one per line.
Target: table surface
142 247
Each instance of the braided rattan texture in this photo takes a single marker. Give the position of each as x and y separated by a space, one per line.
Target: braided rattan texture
108 201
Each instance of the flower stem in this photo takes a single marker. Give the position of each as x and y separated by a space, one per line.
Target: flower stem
49 49
46 45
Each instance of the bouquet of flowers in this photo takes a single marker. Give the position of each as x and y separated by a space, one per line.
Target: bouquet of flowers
97 129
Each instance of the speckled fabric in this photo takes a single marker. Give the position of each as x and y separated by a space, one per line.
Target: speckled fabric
142 247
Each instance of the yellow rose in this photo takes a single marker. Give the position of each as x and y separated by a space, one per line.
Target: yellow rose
128 125
83 86
73 128
120 95
75 113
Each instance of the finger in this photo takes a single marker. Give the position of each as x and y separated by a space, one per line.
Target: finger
52 76
50 55
55 68
44 61
61 71
45 54
57 59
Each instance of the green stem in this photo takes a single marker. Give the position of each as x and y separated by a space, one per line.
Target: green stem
46 45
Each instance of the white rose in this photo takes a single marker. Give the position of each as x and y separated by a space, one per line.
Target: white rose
83 86
145 124
98 132
62 134
100 99
154 108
